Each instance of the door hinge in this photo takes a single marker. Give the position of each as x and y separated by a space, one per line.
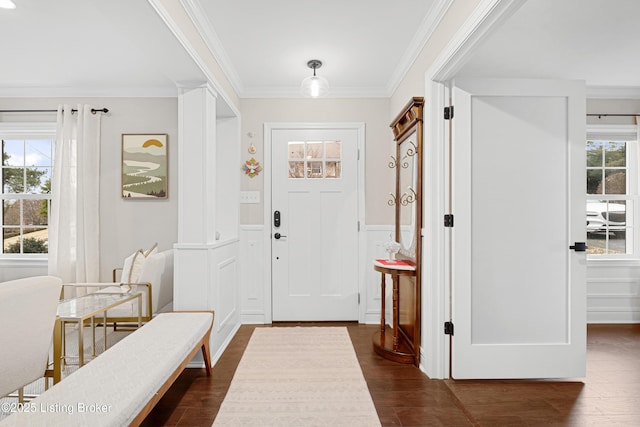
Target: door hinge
358 298
358 154
358 226
448 328
448 220
448 113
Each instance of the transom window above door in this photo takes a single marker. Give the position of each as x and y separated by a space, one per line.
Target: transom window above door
315 159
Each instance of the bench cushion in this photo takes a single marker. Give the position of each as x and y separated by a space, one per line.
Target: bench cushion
113 388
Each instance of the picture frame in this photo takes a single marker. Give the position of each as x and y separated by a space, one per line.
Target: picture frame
145 166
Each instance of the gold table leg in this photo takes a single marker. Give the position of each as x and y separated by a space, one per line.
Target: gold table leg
57 350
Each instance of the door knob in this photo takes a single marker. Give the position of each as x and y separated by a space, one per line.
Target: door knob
579 246
278 236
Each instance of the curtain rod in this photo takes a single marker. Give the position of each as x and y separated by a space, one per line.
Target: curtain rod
93 111
613 115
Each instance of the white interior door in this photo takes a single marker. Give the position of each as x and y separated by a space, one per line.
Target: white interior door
518 191
315 244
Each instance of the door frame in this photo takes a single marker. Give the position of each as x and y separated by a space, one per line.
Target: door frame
436 256
268 128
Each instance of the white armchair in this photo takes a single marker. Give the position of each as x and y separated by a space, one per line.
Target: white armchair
27 315
154 281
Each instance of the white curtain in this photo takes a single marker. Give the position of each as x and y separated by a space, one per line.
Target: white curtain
74 243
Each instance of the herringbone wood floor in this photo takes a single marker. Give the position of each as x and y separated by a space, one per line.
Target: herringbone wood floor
404 396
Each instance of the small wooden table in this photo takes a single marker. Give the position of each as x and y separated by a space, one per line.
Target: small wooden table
391 344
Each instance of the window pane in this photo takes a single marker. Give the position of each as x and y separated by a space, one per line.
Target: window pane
35 241
296 150
34 212
594 181
615 182
314 150
12 152
613 243
314 170
38 153
11 212
333 149
333 169
594 153
603 215
615 154
13 180
38 180
608 227
296 169
11 240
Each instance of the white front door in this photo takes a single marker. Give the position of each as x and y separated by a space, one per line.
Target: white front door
314 242
518 191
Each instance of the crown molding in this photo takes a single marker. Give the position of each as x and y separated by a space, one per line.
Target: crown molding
420 39
204 26
175 28
484 19
89 92
613 92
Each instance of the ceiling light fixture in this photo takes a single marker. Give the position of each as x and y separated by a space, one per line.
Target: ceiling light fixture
7 4
314 86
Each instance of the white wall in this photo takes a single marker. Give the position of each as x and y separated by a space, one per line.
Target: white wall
125 225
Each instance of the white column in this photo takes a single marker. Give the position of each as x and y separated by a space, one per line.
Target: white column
206 267
196 165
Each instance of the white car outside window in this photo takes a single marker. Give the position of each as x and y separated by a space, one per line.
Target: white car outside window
603 217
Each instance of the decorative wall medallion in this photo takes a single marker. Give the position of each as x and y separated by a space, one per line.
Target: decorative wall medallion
252 168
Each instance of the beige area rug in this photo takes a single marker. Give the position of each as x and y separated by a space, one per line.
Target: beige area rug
299 376
38 387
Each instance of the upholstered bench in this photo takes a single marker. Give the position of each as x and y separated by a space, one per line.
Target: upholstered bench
122 385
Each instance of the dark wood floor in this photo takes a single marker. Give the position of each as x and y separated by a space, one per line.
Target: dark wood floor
404 396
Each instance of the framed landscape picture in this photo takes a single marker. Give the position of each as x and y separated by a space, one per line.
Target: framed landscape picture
144 166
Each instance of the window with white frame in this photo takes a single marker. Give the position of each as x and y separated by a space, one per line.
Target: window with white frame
27 163
612 192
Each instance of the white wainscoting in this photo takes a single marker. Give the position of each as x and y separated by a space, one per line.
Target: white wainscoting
613 288
226 288
376 237
206 278
253 275
613 292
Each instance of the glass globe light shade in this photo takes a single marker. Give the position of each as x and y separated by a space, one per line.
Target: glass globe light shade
314 86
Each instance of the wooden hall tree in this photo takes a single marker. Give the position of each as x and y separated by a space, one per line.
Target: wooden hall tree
402 342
